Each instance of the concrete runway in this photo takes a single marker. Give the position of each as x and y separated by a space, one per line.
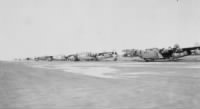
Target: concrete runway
99 85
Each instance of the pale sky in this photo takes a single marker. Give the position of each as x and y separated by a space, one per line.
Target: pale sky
49 27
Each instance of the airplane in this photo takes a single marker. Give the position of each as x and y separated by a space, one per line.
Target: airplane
128 53
59 58
86 56
170 54
107 56
72 57
28 59
44 58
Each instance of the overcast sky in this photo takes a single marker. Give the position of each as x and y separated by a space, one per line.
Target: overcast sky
45 27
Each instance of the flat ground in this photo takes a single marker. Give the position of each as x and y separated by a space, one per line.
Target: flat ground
99 85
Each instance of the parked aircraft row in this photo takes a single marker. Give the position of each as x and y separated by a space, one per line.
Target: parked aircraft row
85 56
170 54
153 54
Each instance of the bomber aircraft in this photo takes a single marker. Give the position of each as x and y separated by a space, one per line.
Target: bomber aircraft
107 56
87 56
72 57
59 58
44 58
84 56
170 54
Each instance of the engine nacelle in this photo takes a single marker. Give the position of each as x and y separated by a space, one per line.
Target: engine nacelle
197 52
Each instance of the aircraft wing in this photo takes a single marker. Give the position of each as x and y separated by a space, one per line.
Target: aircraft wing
188 49
191 48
